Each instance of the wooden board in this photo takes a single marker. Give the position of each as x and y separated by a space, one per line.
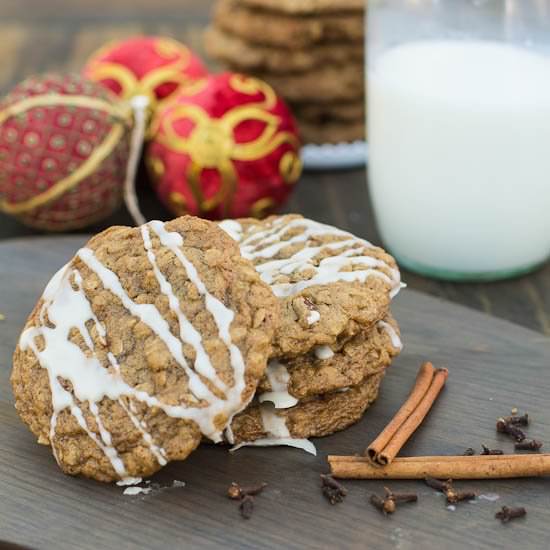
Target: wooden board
493 365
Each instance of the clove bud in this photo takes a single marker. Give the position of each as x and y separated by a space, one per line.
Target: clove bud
332 489
510 429
531 445
506 514
486 451
522 420
446 487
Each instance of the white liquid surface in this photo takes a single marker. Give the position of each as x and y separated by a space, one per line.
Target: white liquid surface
459 154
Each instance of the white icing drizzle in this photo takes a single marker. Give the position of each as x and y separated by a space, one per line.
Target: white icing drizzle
277 433
53 425
278 377
149 315
222 315
158 452
262 245
65 308
188 333
313 317
323 352
228 432
232 228
391 332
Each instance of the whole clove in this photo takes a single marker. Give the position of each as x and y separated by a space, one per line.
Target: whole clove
514 420
506 514
469 452
400 497
333 491
235 491
486 451
446 487
437 484
246 496
458 496
531 445
388 504
385 505
246 507
382 505
510 429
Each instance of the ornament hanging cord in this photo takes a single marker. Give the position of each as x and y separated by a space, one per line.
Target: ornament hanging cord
139 105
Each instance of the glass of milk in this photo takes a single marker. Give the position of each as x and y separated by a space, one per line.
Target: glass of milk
459 134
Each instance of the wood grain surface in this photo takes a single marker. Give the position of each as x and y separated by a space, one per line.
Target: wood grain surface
59 35
493 366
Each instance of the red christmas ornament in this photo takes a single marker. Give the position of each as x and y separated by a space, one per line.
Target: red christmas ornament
63 152
230 149
145 65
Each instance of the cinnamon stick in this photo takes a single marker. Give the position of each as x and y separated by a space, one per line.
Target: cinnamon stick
422 383
442 467
428 385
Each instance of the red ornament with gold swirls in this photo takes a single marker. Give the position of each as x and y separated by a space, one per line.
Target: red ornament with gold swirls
145 65
230 149
63 152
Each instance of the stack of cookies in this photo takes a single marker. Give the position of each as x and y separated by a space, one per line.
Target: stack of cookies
155 338
336 336
310 51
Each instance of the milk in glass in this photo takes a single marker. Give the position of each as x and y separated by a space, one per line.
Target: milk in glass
459 155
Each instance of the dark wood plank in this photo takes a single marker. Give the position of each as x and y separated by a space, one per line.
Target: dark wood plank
494 366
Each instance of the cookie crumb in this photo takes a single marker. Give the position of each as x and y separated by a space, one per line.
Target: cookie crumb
176 483
131 491
129 481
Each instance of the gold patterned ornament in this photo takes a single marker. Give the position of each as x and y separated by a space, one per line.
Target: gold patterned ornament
229 150
63 152
150 66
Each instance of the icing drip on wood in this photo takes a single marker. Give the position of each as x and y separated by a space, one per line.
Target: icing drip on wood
66 307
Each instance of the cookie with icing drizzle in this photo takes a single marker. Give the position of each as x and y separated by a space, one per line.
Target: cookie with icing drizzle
147 340
331 284
325 369
263 425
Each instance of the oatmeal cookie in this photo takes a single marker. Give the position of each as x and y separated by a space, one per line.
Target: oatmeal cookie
263 425
326 84
146 340
324 369
242 55
351 112
304 7
332 284
287 31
